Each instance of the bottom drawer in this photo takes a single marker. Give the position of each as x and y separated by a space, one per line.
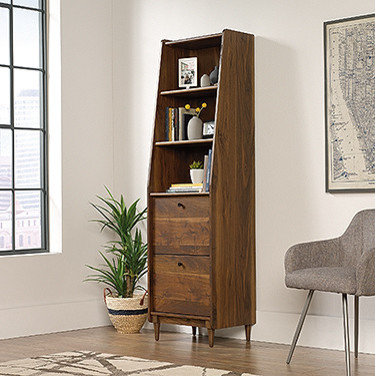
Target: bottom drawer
181 284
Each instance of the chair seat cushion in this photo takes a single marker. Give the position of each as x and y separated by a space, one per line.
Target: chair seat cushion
332 279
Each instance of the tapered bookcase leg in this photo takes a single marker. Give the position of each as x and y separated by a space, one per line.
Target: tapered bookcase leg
194 329
211 334
248 332
157 330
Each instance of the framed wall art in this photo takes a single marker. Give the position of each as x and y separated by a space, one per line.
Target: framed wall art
188 72
349 49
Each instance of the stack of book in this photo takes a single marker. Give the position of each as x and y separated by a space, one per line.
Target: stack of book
176 120
207 165
185 188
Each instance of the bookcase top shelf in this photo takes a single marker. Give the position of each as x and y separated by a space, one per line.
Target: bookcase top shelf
196 43
184 142
193 92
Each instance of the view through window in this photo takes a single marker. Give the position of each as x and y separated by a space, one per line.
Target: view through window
23 149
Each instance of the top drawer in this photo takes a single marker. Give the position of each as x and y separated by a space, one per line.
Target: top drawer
181 207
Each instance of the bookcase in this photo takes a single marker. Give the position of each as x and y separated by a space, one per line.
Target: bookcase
202 245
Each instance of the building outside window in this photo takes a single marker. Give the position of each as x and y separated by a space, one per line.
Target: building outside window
23 127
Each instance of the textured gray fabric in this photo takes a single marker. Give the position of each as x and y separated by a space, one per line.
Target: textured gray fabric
344 265
341 280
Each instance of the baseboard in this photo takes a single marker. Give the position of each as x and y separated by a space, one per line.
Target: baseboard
52 318
318 331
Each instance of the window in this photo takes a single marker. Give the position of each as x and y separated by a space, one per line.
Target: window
23 126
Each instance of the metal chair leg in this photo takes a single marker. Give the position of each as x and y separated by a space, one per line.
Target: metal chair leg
346 332
299 326
356 325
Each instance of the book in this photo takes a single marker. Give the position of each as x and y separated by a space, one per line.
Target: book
205 162
169 123
208 175
177 185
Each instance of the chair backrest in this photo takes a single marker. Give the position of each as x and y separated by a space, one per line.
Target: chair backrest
359 237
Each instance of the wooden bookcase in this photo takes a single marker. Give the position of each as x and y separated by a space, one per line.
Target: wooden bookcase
202 245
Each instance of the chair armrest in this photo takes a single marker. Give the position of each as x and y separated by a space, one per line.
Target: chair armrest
323 253
366 274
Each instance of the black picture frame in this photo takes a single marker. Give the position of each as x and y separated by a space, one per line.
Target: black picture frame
349 104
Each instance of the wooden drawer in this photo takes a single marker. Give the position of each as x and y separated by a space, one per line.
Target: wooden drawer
181 225
181 284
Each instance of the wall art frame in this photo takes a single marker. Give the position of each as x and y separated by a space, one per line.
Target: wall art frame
349 70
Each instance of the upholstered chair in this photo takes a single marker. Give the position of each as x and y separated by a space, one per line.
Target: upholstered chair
344 265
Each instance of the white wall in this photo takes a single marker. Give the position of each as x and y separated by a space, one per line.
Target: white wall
292 205
45 293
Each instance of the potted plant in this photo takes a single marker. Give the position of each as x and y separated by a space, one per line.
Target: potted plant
124 263
196 172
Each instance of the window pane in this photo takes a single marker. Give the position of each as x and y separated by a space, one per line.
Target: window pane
5 158
27 26
4 36
28 3
27 98
27 159
5 221
4 95
28 220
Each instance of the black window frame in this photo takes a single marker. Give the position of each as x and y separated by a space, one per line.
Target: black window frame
43 190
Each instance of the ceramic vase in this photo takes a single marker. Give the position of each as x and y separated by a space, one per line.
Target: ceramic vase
196 175
205 80
195 128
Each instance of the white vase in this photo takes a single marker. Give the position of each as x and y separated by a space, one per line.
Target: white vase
196 175
205 80
195 128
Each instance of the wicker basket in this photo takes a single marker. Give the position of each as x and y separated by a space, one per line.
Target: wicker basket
127 315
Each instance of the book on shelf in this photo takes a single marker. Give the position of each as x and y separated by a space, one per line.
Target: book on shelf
176 121
205 163
208 174
185 188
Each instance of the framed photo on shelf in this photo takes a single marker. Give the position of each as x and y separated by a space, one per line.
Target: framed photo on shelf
188 72
350 104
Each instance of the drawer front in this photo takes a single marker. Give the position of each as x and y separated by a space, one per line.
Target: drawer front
181 284
181 225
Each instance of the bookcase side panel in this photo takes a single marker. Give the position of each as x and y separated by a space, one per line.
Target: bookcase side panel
233 186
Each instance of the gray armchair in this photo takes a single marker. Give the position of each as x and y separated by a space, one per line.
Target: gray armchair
344 265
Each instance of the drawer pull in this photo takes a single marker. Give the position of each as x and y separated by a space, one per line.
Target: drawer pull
181 205
180 264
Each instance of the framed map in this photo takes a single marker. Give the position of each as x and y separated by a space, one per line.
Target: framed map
349 47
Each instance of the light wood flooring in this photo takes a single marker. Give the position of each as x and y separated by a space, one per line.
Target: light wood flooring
259 358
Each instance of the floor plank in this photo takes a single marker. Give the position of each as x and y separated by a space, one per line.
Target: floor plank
259 358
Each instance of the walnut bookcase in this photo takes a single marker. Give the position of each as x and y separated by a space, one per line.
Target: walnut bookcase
202 245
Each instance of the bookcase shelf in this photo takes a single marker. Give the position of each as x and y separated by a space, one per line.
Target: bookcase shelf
184 143
201 246
209 91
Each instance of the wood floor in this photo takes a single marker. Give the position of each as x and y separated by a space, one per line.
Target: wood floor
258 358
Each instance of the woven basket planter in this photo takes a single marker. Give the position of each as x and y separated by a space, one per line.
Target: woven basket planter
127 315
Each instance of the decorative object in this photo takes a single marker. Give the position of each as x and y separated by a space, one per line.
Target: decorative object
208 129
188 72
82 363
350 104
205 80
195 125
190 261
214 75
125 262
196 172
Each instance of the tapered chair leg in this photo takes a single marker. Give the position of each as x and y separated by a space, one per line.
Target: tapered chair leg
356 325
346 332
299 326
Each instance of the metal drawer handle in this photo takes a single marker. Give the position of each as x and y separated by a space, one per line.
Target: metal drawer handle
181 205
180 264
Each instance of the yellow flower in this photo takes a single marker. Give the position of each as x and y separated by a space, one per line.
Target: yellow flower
204 105
197 109
187 106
